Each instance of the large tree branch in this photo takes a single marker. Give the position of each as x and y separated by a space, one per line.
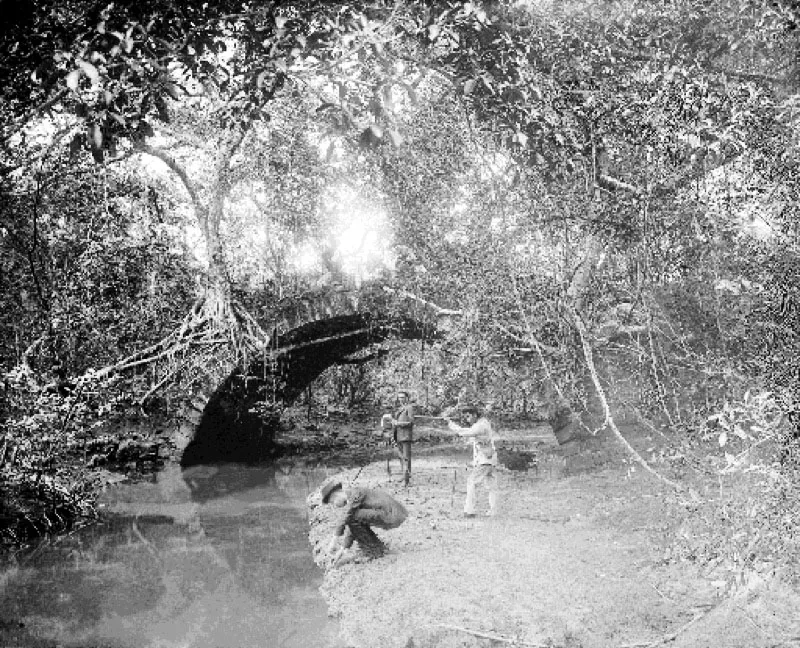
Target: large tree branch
221 188
20 122
223 164
588 355
223 178
187 139
677 181
175 167
609 183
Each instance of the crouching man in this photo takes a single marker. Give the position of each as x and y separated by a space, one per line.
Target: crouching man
363 508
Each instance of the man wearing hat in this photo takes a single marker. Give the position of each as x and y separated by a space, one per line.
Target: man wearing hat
402 422
484 456
363 508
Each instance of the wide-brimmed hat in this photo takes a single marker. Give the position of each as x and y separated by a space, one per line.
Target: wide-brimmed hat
328 488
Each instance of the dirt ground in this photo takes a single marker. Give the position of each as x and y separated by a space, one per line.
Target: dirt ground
573 560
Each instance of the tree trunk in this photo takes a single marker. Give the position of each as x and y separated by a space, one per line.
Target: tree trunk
583 273
218 289
209 213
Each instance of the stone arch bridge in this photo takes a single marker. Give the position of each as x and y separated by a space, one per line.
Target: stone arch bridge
309 334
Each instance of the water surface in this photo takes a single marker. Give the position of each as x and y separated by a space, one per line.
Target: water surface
211 557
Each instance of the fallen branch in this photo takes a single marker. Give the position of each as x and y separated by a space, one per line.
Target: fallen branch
673 635
739 459
274 354
609 419
493 637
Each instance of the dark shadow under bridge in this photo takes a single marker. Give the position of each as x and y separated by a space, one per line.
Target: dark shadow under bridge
310 334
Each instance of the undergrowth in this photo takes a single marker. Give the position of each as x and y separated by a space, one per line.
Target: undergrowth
746 520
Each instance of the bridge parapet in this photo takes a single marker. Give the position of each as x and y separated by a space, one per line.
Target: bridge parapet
423 309
377 300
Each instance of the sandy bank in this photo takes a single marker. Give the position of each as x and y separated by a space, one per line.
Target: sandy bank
571 561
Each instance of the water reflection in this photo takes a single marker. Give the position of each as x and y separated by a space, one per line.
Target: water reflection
214 556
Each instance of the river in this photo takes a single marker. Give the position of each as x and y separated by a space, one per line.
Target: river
212 556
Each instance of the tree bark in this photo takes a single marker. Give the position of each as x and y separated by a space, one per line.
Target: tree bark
584 271
209 214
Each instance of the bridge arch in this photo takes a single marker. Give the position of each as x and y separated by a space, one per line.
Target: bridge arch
310 334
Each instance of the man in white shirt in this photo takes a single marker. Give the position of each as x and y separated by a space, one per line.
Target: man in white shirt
484 457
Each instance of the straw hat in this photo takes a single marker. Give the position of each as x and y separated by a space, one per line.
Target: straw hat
328 488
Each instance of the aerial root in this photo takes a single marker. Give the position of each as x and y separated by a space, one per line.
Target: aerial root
213 325
641 644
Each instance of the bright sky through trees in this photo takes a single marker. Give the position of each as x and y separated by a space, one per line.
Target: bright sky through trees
360 235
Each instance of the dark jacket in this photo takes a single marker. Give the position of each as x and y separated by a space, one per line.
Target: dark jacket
404 423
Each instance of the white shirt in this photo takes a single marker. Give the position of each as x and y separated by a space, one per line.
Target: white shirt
483 451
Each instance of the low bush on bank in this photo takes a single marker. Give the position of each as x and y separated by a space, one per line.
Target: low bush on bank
61 446
747 518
